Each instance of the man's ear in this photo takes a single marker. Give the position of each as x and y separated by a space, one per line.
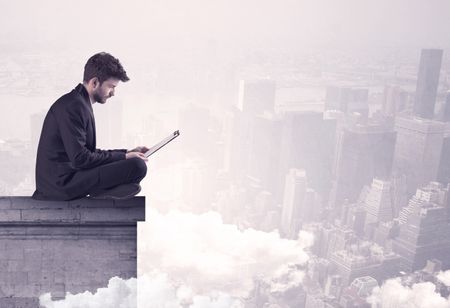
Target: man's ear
95 82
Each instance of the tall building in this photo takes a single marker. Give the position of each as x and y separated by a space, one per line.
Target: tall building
427 82
362 153
237 142
356 218
294 197
256 96
347 100
444 114
378 202
417 150
444 161
264 151
424 230
395 100
307 142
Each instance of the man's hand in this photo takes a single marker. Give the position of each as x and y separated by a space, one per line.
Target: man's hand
136 154
139 149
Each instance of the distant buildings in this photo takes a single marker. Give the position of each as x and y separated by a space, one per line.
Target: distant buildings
424 230
365 260
395 100
427 82
307 143
264 151
347 100
256 96
378 202
294 197
357 293
417 150
362 153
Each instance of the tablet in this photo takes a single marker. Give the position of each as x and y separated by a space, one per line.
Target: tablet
162 143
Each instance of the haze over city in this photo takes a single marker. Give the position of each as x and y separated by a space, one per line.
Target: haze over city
313 165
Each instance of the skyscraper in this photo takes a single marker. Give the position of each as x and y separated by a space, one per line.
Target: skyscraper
362 152
307 142
347 100
294 196
256 96
395 100
444 114
264 147
417 150
424 229
427 82
378 203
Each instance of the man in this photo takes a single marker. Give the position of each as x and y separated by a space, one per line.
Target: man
68 164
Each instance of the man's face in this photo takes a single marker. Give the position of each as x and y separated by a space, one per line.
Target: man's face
105 90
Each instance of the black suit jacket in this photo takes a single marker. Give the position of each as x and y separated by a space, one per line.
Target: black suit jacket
67 156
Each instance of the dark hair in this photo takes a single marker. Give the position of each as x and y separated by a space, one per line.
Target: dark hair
103 66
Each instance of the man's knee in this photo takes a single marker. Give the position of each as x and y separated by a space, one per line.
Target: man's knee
139 166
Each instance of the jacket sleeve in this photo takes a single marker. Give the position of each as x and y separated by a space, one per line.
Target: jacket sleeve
72 123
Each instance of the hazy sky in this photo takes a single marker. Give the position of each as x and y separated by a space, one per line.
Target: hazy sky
142 23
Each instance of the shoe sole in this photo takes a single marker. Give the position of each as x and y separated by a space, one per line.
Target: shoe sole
112 197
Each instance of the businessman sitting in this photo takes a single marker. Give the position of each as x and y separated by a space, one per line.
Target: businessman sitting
68 164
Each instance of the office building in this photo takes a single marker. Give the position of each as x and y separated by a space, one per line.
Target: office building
362 152
395 100
264 152
424 231
294 197
427 83
418 150
378 202
347 100
256 96
307 143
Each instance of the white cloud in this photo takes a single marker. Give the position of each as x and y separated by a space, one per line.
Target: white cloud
444 277
197 260
392 294
212 255
157 290
119 294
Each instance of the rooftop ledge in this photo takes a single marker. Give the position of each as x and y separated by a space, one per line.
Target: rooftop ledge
27 211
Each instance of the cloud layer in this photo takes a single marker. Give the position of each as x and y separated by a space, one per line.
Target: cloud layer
393 294
198 261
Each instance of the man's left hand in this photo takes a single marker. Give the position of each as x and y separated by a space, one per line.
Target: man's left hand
139 149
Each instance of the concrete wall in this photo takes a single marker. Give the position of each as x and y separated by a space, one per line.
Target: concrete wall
68 246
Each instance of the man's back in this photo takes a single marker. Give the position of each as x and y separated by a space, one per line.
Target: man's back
53 165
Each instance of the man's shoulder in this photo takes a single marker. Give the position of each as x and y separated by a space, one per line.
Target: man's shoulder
69 101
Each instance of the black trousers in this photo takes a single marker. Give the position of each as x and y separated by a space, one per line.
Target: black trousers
126 171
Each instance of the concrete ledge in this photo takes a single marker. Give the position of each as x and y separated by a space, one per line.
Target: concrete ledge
65 246
24 210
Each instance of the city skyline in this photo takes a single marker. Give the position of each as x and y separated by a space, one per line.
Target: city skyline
313 164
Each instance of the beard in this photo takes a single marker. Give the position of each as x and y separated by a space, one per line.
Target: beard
100 99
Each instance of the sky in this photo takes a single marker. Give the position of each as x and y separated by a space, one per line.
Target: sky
264 22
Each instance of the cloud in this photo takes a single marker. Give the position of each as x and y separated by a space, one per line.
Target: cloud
212 255
392 294
119 294
444 277
200 262
157 290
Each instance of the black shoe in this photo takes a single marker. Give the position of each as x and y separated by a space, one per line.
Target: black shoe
120 192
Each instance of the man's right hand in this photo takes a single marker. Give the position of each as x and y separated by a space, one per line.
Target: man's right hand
136 154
